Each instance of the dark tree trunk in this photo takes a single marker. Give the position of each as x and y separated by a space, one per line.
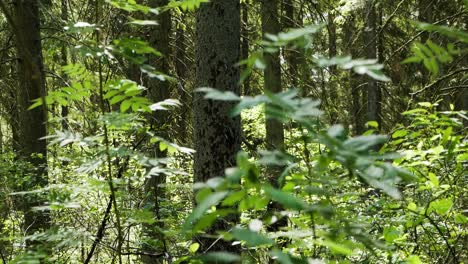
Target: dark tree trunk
158 91
292 55
371 38
31 123
64 112
354 80
245 45
216 135
330 95
272 82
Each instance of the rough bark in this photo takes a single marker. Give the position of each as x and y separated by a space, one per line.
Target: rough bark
31 123
216 135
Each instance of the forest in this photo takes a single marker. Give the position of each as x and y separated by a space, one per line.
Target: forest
233 131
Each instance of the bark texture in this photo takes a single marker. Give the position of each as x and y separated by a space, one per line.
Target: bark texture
217 136
31 123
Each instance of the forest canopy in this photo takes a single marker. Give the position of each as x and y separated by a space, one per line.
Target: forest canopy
233 131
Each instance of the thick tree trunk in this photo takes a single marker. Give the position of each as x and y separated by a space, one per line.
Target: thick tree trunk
31 123
158 91
373 89
216 135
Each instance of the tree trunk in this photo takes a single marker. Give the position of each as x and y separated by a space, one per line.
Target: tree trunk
332 99
181 65
64 112
373 89
158 91
292 55
217 136
32 123
245 45
272 83
354 80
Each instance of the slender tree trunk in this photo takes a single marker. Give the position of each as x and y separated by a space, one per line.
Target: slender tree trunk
217 136
64 15
272 82
291 54
371 38
426 14
245 45
1 138
332 100
332 38
181 65
158 91
32 123
354 80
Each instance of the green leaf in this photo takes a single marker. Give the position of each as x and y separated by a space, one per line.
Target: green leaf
202 207
336 247
252 239
413 207
442 206
144 22
399 133
234 197
186 5
194 247
281 257
165 105
447 31
363 143
220 257
413 260
214 94
373 124
433 179
125 105
286 199
460 219
391 234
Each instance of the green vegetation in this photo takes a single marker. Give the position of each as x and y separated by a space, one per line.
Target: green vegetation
227 131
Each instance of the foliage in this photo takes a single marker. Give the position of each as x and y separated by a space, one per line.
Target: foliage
337 197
